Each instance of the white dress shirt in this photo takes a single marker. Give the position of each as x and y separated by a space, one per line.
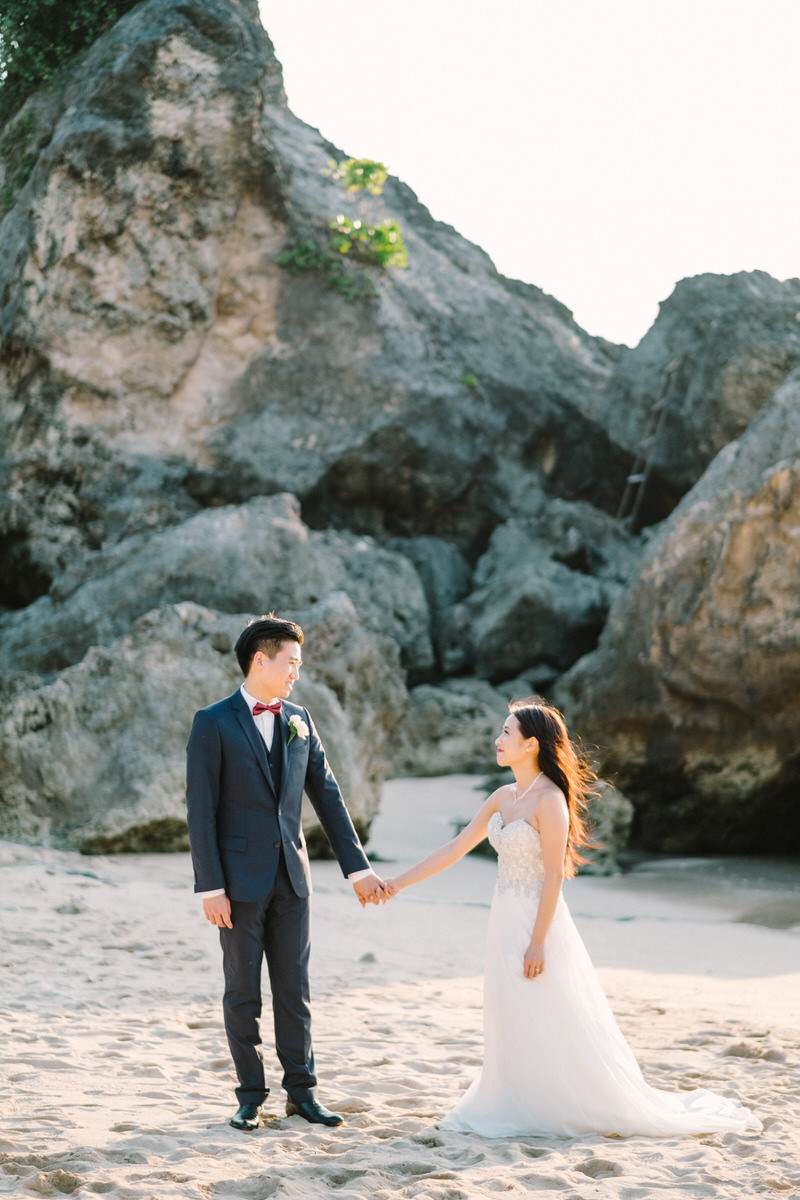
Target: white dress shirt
265 724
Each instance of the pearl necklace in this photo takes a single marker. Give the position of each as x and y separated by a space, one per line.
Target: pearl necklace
517 796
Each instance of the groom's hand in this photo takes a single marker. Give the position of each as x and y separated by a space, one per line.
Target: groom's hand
218 910
370 890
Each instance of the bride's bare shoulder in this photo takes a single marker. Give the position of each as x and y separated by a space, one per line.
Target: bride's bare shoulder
552 801
499 797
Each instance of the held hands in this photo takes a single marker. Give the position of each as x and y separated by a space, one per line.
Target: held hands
371 890
377 890
533 963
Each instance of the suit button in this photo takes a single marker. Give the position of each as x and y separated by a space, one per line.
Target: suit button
276 845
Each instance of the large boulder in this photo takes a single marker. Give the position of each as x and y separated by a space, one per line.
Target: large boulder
540 595
720 347
446 577
251 558
157 359
610 816
449 729
693 694
133 287
95 760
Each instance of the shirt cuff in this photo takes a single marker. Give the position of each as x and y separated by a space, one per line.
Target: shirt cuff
208 895
356 875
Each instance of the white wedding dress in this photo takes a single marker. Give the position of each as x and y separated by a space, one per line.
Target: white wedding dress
555 1061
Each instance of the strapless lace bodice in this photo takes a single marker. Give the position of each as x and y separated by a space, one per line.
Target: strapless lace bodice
519 855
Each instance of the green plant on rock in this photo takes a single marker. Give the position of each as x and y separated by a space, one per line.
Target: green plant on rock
381 244
376 243
359 173
307 258
38 38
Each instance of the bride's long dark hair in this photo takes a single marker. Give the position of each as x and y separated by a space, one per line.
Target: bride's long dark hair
561 762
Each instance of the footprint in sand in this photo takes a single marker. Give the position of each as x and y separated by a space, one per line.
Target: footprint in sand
53 1183
747 1050
340 1177
541 1183
738 1145
385 1132
599 1168
49 1064
353 1106
257 1187
417 1170
464 1158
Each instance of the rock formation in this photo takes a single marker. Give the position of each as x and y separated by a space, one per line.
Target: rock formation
196 427
95 760
158 360
719 348
693 695
540 594
165 381
451 728
233 559
610 815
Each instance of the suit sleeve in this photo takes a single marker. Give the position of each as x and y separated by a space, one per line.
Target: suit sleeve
325 795
203 763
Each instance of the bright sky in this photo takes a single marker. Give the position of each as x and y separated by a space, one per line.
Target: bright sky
601 149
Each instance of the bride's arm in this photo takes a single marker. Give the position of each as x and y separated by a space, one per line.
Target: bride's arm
450 852
553 819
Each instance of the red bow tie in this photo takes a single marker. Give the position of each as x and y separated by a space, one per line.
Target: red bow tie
258 708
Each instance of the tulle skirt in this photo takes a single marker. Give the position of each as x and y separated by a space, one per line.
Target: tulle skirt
555 1061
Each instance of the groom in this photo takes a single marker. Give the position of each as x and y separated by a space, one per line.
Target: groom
249 759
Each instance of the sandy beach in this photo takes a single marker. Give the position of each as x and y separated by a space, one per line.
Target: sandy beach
116 1077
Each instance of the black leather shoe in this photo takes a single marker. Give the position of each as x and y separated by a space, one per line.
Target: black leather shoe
311 1111
247 1117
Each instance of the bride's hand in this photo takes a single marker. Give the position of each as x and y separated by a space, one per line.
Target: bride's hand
533 963
391 888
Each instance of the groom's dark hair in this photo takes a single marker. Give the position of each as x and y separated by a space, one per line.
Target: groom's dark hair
266 634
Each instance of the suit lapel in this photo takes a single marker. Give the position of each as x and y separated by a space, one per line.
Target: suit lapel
245 719
282 731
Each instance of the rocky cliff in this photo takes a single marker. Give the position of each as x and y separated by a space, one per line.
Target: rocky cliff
196 427
693 695
719 349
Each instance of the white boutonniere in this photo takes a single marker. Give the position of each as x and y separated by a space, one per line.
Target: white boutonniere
297 728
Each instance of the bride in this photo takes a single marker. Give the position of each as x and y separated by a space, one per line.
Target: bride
555 1061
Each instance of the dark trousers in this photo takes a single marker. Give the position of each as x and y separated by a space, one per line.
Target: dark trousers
277 929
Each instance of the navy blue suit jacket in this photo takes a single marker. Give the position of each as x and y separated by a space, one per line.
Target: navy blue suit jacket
238 824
